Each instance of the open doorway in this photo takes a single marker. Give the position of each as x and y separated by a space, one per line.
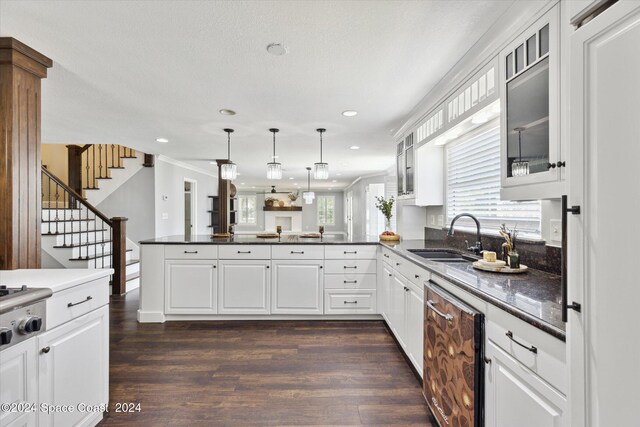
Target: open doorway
374 218
350 213
189 207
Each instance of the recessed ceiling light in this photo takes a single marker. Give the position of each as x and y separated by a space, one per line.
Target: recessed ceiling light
227 112
238 173
290 177
354 147
277 49
162 140
242 183
295 183
334 181
212 163
338 174
349 113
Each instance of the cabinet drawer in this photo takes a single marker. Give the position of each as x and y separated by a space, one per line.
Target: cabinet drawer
347 301
389 256
353 281
350 251
350 266
191 252
548 360
297 252
74 302
414 273
245 252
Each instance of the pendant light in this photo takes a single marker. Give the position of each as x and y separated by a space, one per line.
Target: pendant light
321 170
274 169
308 195
228 170
520 167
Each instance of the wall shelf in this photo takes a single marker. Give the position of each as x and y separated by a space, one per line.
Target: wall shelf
282 209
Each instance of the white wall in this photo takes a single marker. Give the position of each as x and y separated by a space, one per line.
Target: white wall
359 188
169 182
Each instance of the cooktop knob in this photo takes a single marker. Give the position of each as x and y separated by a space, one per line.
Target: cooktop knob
5 336
30 324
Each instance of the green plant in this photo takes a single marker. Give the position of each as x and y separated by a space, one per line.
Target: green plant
385 206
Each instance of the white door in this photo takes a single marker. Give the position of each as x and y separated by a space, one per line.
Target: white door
515 396
19 382
603 239
73 368
415 326
297 287
385 298
397 309
190 287
244 287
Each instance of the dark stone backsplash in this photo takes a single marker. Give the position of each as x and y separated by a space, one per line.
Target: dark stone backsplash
532 254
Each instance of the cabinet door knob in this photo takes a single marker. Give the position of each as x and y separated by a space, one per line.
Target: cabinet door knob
561 164
417 276
46 350
551 165
397 263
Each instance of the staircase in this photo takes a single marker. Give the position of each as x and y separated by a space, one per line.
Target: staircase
75 234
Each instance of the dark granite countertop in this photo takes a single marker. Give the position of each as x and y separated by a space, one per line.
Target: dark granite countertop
248 239
533 296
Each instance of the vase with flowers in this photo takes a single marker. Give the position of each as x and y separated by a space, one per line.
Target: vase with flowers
386 207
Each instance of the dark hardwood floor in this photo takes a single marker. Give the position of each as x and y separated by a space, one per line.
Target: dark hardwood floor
267 373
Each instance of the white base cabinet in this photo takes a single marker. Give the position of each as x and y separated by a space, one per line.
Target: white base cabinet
515 396
297 287
191 286
19 382
245 287
73 368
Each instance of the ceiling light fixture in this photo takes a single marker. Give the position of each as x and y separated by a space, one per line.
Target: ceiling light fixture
320 169
228 170
227 112
277 49
308 195
349 113
162 140
354 147
274 169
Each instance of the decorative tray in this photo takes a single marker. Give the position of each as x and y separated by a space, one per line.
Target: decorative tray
267 235
500 268
220 235
388 238
310 236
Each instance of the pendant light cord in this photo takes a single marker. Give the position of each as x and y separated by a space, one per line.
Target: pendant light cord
273 159
520 145
228 146
320 146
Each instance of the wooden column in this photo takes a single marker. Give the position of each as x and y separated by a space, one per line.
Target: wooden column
21 71
74 168
223 198
119 251
149 160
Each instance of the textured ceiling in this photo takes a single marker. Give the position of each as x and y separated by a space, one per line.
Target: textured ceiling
129 72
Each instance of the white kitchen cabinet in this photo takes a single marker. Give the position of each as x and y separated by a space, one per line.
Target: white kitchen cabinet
245 287
530 114
414 304
405 166
397 310
297 287
515 396
73 367
19 382
350 301
191 286
429 175
386 283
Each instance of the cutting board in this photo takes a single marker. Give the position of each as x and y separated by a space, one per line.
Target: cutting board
498 269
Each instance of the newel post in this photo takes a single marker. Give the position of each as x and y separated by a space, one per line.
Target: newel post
74 168
119 255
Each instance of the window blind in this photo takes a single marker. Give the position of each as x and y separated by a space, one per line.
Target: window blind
473 186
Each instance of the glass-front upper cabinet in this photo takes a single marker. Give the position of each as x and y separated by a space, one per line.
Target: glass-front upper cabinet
409 163
400 167
530 117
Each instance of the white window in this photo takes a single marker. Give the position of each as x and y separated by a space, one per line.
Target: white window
473 186
246 209
326 210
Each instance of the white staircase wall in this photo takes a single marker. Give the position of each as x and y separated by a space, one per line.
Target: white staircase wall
118 177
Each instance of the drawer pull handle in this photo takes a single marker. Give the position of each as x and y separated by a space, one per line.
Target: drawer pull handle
532 349
406 289
72 304
390 274
397 263
385 255
432 305
351 302
487 361
350 281
417 276
355 266
46 350
297 252
190 252
350 252
244 252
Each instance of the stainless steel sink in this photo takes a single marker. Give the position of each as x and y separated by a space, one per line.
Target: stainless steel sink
439 255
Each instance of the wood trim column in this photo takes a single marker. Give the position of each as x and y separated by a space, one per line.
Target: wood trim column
119 251
21 72
74 167
223 198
